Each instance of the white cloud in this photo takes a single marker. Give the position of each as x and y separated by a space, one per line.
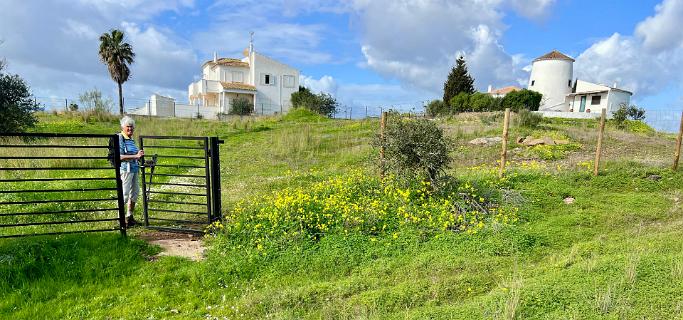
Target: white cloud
53 45
160 60
417 42
662 31
274 34
533 9
326 84
646 63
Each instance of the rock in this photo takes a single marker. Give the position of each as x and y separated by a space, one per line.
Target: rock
486 141
478 142
548 141
533 142
654 177
568 200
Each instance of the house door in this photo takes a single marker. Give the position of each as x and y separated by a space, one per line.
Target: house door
583 104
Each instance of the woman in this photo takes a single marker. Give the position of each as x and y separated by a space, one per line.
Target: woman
130 167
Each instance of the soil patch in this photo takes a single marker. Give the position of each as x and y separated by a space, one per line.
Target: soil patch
175 244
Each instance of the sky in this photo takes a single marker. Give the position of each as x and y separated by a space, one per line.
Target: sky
363 52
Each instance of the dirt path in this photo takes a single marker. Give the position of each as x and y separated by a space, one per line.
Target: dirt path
175 244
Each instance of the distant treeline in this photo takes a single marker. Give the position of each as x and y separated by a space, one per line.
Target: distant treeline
483 102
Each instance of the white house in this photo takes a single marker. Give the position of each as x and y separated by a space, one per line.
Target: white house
266 83
552 74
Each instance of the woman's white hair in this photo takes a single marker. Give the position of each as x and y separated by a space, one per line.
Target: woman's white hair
127 121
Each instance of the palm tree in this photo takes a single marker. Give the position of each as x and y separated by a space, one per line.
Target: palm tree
117 55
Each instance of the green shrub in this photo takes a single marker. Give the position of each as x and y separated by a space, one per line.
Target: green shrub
522 99
241 106
620 116
625 112
460 102
321 103
636 113
483 102
529 119
415 148
17 106
436 108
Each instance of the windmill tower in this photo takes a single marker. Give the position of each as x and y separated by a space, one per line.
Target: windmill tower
551 75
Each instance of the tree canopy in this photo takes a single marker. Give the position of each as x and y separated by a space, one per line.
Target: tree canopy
322 103
117 55
522 99
17 105
459 80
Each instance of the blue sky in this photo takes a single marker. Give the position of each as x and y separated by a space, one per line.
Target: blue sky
366 53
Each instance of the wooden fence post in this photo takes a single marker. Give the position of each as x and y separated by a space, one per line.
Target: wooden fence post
382 127
677 154
504 151
598 150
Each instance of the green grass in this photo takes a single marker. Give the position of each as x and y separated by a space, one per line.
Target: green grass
616 252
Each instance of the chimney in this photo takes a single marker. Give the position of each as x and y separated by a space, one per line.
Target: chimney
251 42
490 89
215 57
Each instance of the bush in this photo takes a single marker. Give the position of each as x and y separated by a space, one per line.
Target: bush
321 103
529 119
17 106
460 102
522 99
241 106
415 148
483 102
623 113
636 113
620 116
92 100
436 108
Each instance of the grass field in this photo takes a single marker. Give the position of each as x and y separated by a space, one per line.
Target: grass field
616 252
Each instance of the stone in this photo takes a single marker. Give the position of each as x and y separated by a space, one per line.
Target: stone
548 141
486 141
479 142
568 200
561 142
654 177
533 142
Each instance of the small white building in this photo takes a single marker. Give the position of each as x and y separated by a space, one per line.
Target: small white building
591 97
551 75
266 83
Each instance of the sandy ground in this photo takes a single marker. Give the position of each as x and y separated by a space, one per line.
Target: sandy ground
175 244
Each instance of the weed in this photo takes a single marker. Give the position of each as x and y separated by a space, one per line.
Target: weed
603 300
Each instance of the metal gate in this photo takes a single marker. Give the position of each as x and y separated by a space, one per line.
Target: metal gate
53 183
181 182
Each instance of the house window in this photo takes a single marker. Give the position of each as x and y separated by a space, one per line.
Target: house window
595 100
532 82
237 76
288 81
267 79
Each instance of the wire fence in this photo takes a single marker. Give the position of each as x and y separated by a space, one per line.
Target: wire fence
483 141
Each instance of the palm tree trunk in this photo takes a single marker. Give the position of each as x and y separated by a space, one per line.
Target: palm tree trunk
120 99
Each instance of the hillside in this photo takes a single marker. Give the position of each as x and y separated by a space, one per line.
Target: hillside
615 250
